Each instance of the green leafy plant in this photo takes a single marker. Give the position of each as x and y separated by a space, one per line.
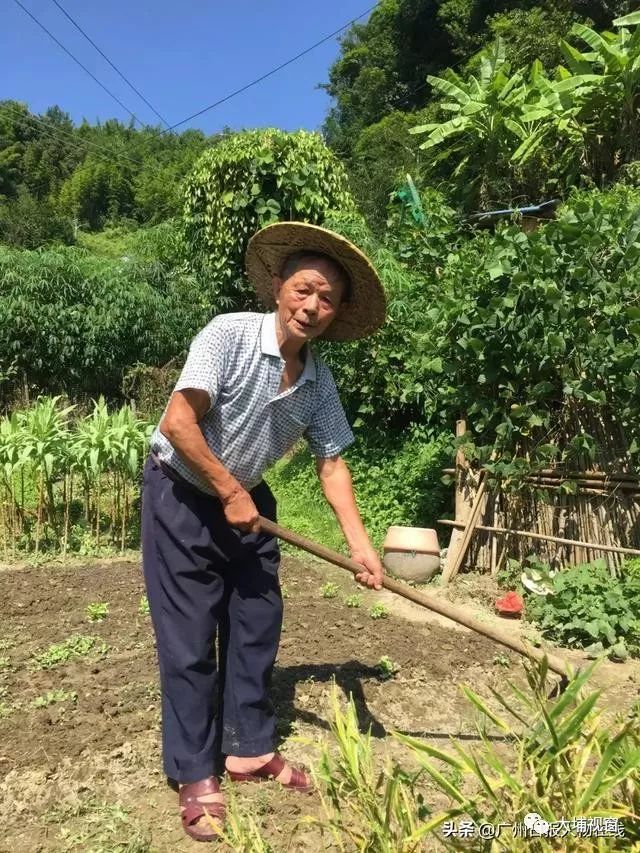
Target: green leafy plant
365 808
379 611
386 667
53 697
589 605
354 600
329 590
143 607
97 611
74 647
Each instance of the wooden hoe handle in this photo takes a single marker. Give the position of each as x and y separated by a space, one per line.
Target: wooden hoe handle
444 608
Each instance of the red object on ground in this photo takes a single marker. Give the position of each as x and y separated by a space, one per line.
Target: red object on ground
511 605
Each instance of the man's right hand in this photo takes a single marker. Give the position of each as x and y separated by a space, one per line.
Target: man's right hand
241 512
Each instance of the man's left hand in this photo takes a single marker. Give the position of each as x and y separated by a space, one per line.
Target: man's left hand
371 576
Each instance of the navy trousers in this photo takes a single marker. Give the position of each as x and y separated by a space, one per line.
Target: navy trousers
208 580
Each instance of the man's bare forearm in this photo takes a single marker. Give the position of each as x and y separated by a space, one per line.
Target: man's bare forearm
337 486
188 441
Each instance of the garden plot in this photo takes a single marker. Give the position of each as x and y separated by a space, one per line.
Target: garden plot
80 762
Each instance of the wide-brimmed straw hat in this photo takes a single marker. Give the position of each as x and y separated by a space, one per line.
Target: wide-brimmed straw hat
269 248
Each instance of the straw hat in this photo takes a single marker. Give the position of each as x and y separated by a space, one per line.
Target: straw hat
268 249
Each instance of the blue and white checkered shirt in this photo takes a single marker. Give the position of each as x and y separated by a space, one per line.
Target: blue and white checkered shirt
249 426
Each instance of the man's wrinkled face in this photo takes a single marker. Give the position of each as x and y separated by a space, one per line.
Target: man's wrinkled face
309 299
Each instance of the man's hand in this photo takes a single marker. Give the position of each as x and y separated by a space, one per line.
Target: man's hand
241 512
373 571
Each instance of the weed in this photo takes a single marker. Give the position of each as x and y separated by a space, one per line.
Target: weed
52 697
97 611
386 667
379 611
109 828
74 647
143 607
501 660
329 590
5 664
354 600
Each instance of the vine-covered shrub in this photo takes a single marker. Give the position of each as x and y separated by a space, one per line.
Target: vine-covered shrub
72 322
247 181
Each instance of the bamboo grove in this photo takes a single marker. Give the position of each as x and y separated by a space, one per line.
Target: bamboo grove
67 481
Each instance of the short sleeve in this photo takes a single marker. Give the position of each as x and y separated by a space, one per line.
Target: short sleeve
328 433
204 368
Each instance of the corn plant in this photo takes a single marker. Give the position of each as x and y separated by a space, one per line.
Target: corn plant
45 448
11 464
557 760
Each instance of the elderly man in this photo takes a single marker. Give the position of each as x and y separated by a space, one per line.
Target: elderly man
251 387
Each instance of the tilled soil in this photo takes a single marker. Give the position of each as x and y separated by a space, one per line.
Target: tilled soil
84 773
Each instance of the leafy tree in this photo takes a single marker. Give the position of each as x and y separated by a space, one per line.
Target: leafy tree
98 190
28 223
245 182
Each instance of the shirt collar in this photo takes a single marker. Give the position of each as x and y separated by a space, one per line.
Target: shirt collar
269 346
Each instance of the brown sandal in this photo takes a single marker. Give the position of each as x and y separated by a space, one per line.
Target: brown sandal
299 780
192 809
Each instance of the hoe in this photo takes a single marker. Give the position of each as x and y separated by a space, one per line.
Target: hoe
451 611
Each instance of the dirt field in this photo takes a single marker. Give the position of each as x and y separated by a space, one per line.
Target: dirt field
84 773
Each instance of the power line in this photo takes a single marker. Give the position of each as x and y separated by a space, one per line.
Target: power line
268 73
77 61
104 56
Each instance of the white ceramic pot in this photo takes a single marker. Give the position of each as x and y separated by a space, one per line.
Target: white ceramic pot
412 553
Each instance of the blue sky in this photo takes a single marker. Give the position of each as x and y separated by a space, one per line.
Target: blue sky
181 56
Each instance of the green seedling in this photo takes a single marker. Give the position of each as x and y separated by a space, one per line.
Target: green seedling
386 667
353 600
284 590
501 660
379 611
52 697
97 611
74 647
143 607
329 590
5 663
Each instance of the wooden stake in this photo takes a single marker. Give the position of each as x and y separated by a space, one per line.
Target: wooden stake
453 566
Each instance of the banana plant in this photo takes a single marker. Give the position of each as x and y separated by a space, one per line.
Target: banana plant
485 111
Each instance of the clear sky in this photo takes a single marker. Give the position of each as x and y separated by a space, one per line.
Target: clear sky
181 56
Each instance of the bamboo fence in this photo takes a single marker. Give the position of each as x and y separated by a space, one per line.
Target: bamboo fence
603 511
